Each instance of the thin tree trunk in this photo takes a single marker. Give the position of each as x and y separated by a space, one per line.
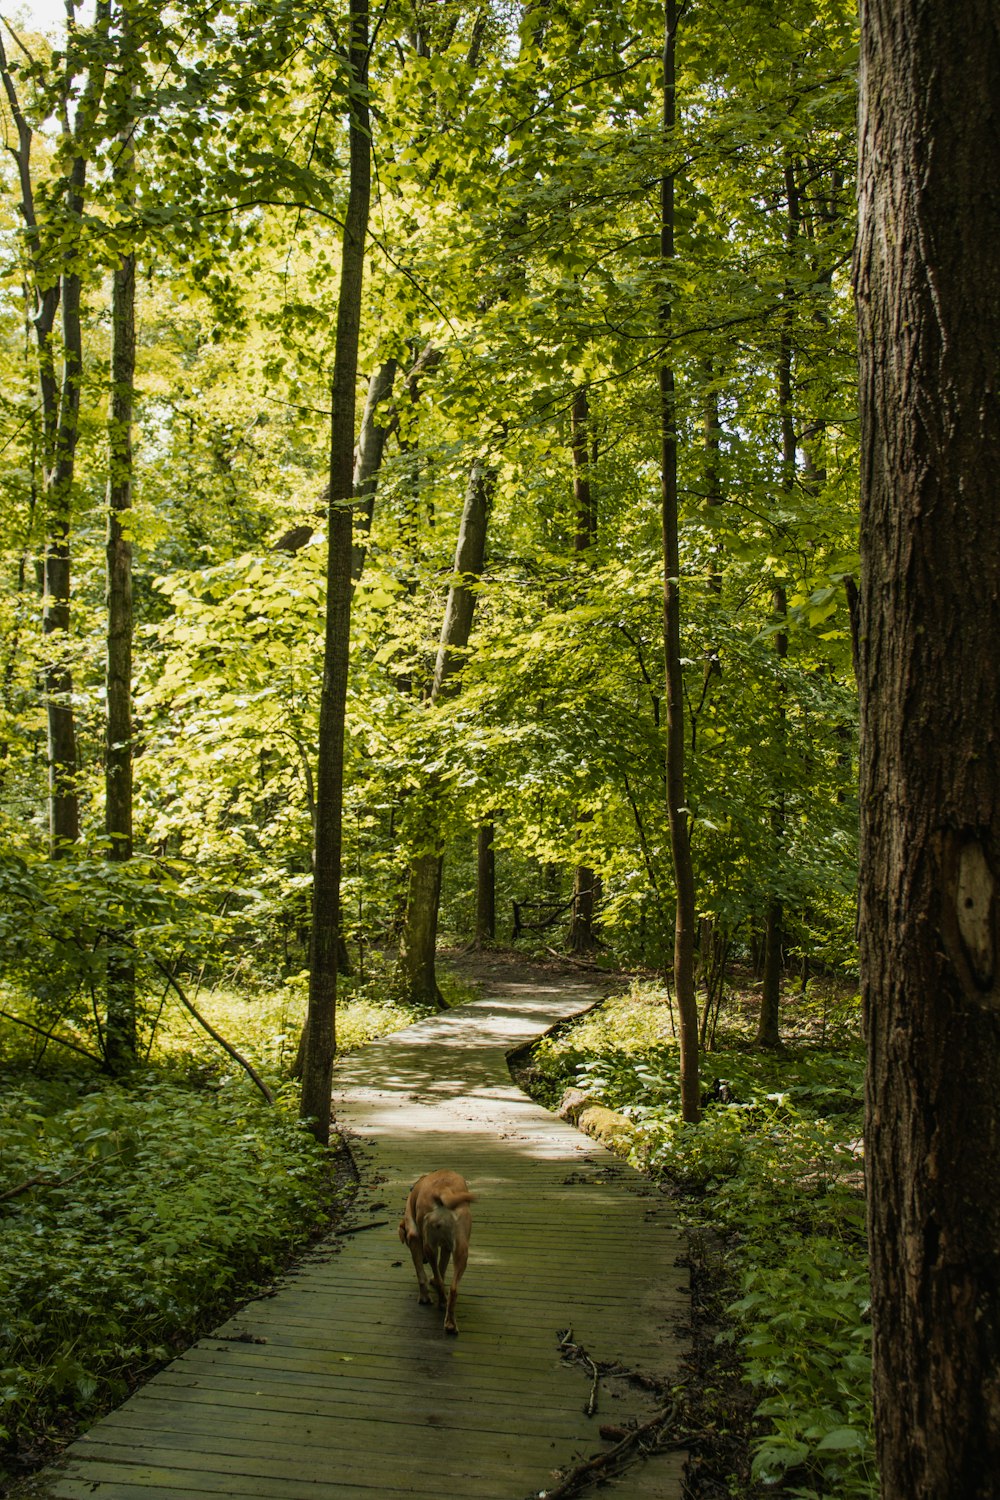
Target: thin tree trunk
583 496
711 426
486 886
581 938
418 943
64 807
326 905
929 642
368 461
470 554
680 840
60 398
120 1028
768 1030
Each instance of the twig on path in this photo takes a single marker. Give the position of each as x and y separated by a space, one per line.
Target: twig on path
604 1465
576 1353
357 1228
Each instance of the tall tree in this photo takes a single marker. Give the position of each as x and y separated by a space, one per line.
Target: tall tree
120 1033
53 230
419 939
677 812
929 325
768 1030
581 928
326 904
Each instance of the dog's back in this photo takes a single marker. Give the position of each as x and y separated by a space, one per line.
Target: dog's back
436 1225
444 1222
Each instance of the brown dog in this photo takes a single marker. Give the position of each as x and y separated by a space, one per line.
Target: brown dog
436 1225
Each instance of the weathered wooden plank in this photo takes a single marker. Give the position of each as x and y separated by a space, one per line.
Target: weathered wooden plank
308 1460
296 1395
248 1415
146 1481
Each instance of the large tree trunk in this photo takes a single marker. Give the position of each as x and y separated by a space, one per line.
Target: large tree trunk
325 939
419 940
120 1027
582 938
680 838
929 333
418 943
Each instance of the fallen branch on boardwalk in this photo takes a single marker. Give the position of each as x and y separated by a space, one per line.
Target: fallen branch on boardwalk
576 1353
606 1465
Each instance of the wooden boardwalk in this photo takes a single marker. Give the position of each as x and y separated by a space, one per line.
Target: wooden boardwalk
340 1384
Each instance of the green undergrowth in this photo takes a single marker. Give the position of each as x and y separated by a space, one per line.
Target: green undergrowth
773 1174
136 1214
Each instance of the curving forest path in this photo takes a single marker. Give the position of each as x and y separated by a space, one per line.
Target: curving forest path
340 1384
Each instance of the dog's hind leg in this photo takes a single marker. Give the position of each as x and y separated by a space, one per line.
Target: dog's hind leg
461 1258
439 1270
417 1252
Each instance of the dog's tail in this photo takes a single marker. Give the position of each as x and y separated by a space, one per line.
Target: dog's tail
454 1200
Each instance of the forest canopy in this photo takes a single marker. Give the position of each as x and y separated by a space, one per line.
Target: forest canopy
511 332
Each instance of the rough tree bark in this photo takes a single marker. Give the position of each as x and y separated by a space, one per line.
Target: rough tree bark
418 943
326 907
680 838
927 274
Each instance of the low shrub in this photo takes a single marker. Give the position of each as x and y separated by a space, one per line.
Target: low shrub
131 1216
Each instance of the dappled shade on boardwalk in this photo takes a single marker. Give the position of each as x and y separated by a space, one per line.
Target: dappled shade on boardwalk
341 1384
